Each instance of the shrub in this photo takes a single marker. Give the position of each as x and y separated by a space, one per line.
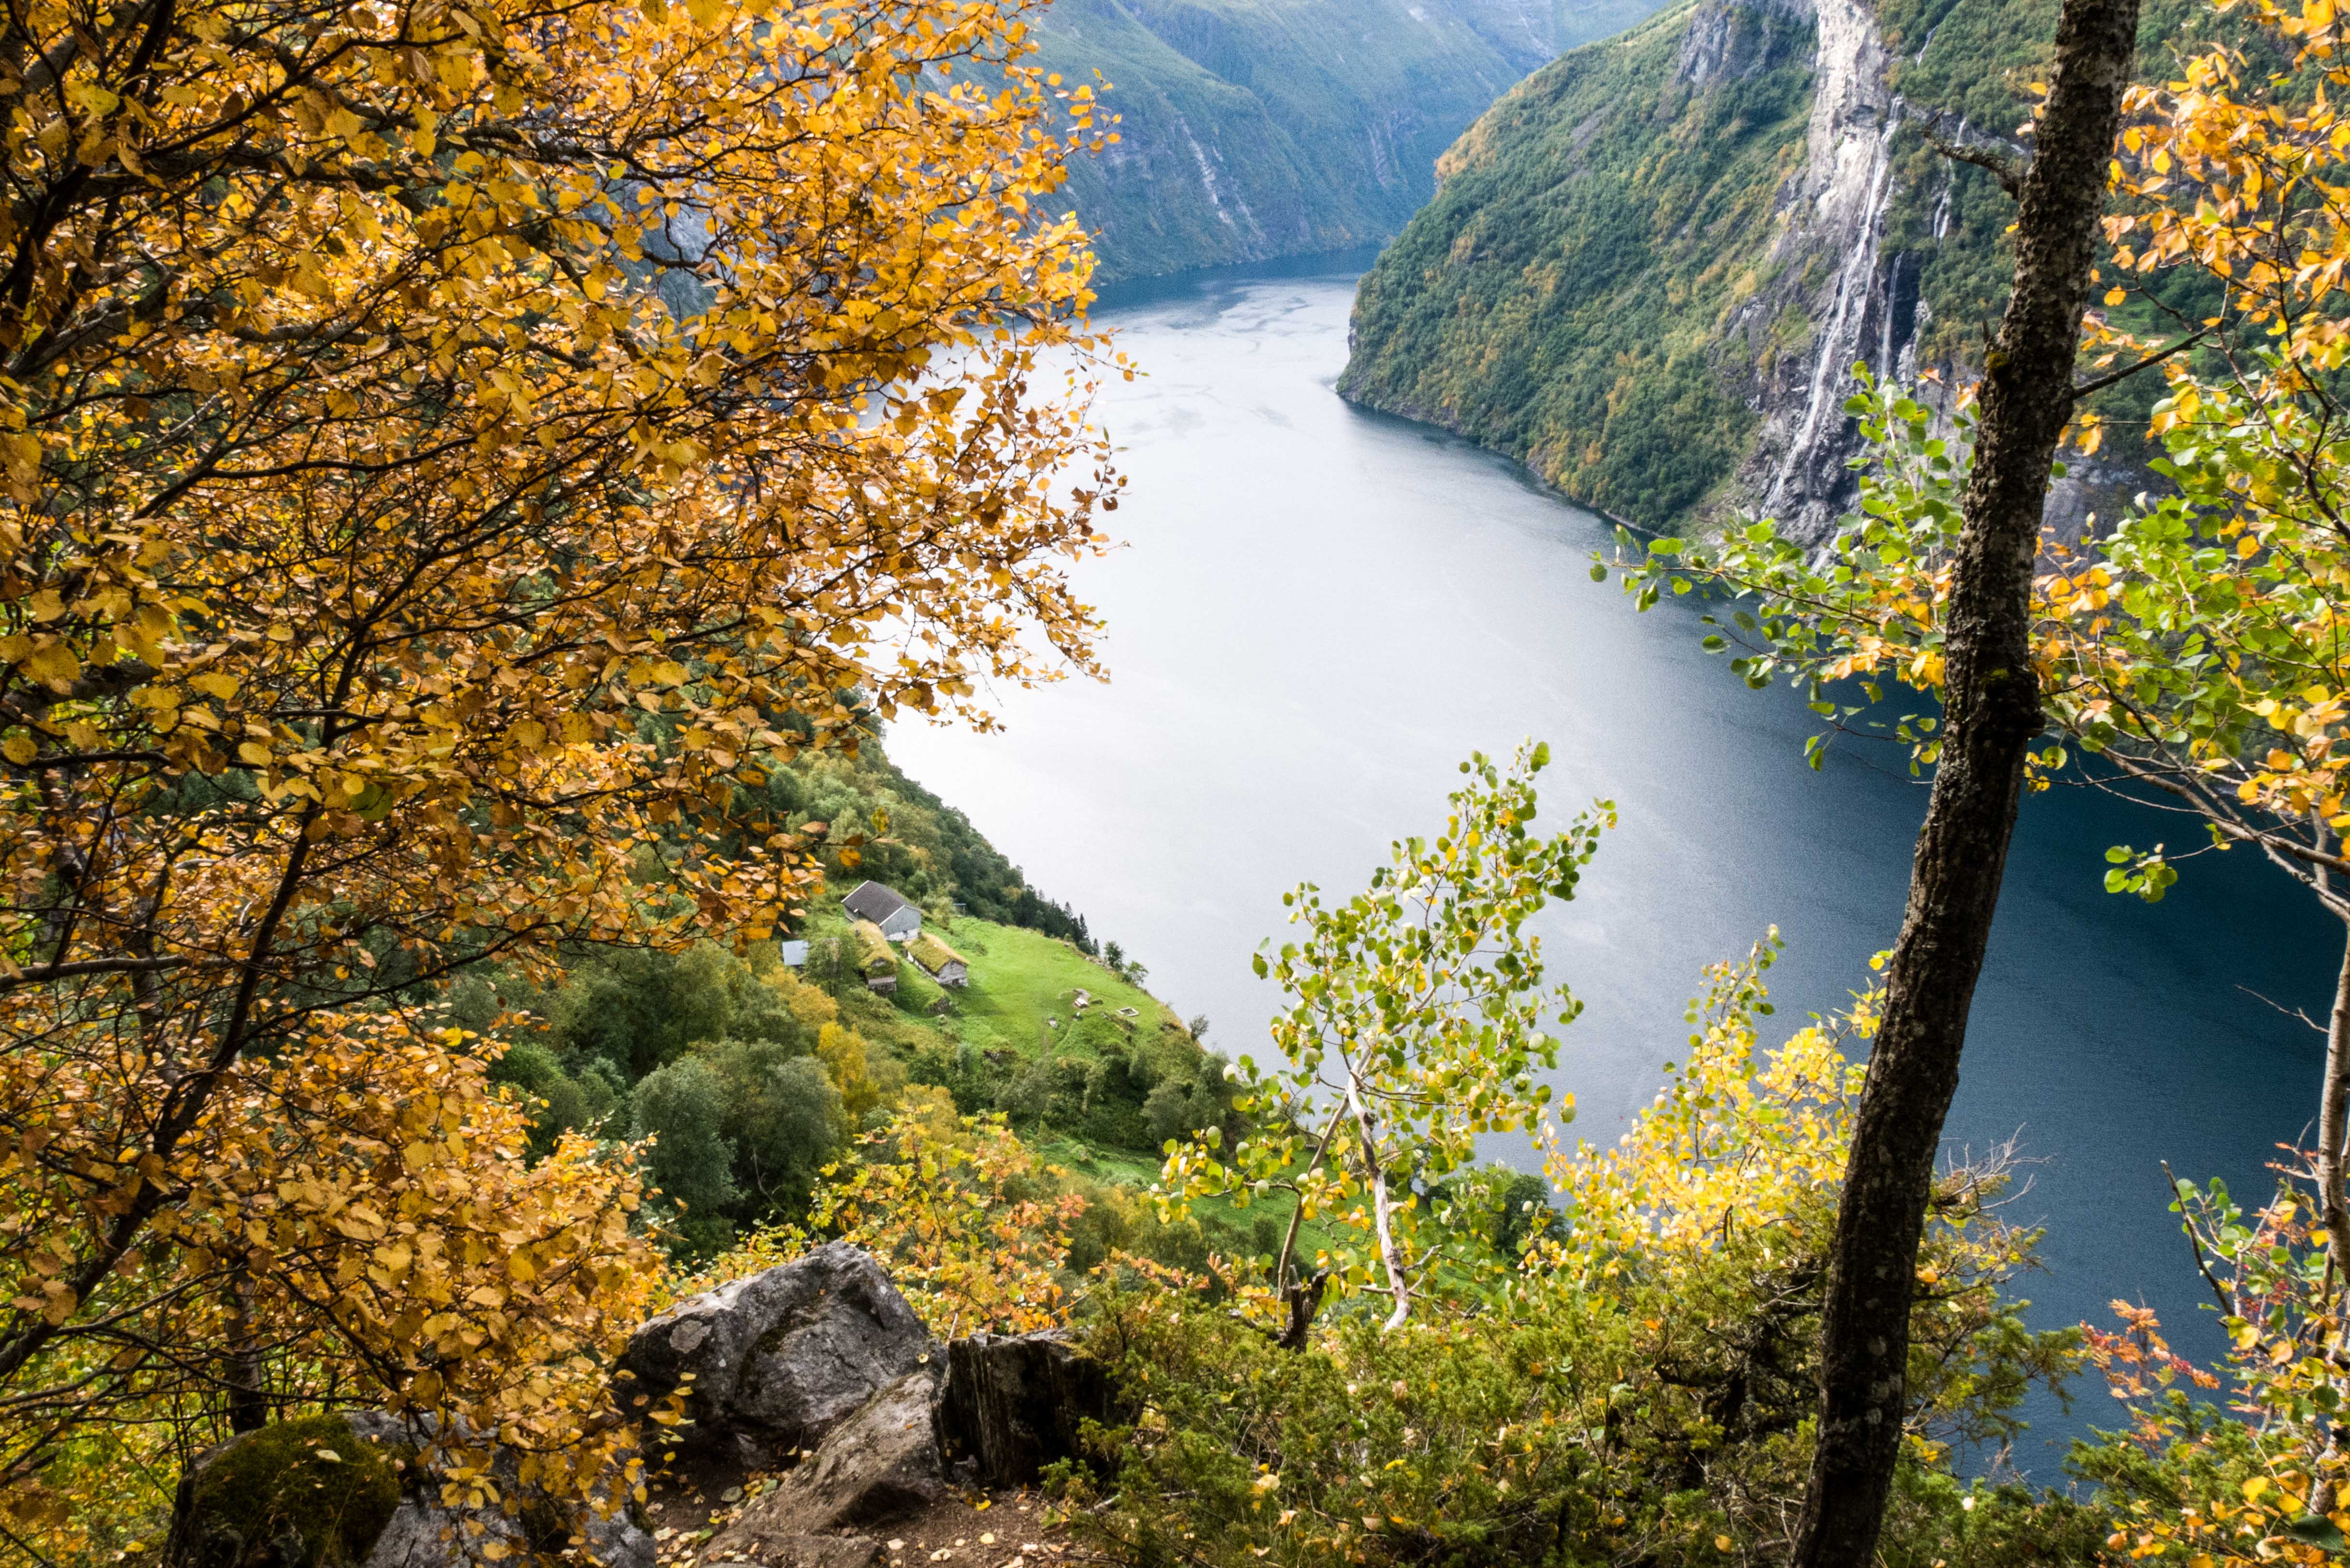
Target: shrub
298 1495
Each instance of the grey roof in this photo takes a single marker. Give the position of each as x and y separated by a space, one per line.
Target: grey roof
795 954
872 901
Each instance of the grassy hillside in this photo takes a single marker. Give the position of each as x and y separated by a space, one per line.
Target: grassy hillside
911 839
1255 128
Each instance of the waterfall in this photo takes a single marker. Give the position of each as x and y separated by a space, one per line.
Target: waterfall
1949 184
1885 322
1840 333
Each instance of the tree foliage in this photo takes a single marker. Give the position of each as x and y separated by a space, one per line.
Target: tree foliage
2256 1475
1636 1389
966 1218
448 451
1415 1024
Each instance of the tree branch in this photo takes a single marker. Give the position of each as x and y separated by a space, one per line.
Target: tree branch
2003 170
2088 388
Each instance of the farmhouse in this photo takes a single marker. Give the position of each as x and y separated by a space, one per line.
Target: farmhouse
939 961
877 961
899 917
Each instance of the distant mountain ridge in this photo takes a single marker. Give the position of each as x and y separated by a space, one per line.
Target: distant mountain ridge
1257 129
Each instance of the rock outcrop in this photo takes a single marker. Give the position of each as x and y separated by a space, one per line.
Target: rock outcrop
1013 1403
773 1362
819 1360
883 1462
993 1412
349 1491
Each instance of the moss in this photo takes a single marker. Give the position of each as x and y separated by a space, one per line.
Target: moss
299 1494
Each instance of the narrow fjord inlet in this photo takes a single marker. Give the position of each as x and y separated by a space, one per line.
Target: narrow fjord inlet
1320 610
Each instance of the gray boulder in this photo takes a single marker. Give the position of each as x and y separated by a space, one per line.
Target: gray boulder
347 1491
881 1463
779 1359
1012 1403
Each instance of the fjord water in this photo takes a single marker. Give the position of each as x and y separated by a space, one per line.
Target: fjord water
1321 611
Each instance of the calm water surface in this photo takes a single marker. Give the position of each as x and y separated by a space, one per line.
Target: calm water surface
1321 611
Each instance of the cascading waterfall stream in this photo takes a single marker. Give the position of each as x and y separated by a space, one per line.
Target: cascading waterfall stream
1840 334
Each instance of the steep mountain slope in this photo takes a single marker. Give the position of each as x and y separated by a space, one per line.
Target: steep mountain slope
1649 268
1255 128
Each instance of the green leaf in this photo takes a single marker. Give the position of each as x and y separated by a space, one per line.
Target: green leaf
2317 1529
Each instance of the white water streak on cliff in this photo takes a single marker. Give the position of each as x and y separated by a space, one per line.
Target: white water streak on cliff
1847 185
1949 185
1208 177
1840 334
1885 318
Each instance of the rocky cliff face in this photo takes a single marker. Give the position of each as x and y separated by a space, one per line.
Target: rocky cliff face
1824 234
1831 236
1255 128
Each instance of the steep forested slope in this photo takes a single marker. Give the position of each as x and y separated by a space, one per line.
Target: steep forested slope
1558 300
1649 267
1255 128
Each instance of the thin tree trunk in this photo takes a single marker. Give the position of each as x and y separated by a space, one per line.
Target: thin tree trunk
1301 1297
1991 713
2334 1123
1382 1207
248 1394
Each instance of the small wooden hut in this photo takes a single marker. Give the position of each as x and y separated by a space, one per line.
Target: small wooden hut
939 961
877 961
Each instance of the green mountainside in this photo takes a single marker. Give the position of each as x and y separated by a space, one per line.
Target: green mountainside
1255 128
1559 300
1649 267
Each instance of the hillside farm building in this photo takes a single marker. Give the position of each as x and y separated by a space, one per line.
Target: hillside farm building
939 961
899 918
877 961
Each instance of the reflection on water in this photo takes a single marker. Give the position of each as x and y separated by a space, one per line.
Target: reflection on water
1322 611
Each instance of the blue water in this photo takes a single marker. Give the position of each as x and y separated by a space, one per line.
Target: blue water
1320 611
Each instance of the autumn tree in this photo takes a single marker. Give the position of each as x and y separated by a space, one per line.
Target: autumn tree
1991 716
1416 1023
2195 651
451 450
